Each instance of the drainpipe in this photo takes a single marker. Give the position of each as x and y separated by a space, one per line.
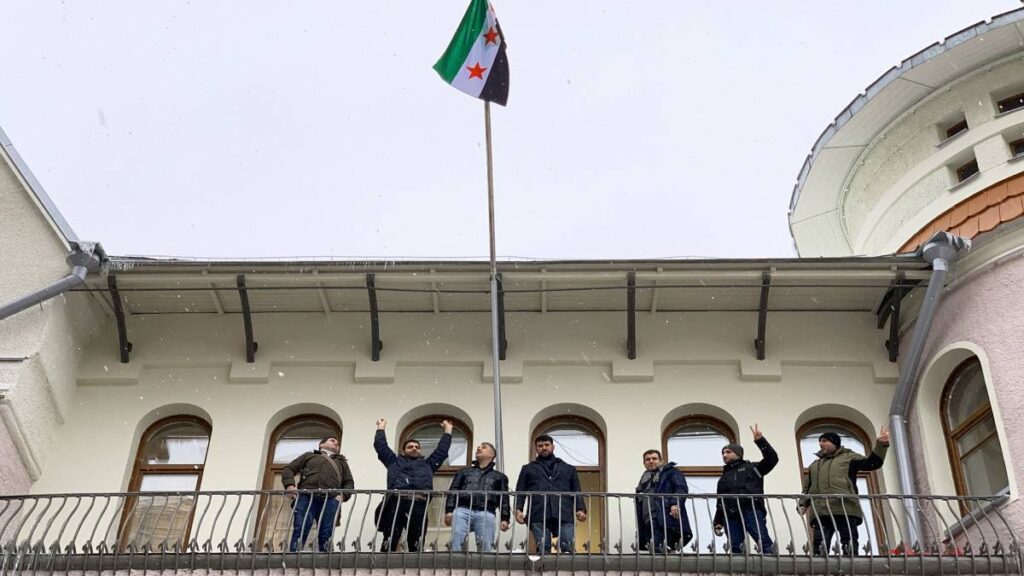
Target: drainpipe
85 257
941 251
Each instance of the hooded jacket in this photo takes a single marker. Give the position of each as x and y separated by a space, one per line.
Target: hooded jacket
406 472
744 477
837 474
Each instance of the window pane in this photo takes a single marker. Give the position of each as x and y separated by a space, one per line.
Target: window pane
696 445
178 443
575 445
976 434
169 482
809 446
157 522
967 396
299 438
430 434
702 512
867 531
984 470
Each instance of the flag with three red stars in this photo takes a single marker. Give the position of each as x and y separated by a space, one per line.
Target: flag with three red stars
475 61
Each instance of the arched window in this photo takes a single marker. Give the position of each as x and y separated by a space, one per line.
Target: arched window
292 438
855 438
427 430
975 454
695 444
580 443
170 458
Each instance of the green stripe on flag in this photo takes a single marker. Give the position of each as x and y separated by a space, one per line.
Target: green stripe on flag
450 63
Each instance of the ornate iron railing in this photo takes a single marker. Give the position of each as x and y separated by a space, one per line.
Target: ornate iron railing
621 533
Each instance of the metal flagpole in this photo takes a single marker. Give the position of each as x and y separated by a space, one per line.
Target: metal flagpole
495 344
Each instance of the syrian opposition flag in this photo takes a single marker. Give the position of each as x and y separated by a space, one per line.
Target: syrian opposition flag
475 60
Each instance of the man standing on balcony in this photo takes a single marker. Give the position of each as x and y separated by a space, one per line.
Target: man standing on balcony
835 472
662 519
745 515
323 468
412 476
553 514
477 510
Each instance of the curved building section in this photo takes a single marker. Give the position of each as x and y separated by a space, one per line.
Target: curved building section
944 127
937 144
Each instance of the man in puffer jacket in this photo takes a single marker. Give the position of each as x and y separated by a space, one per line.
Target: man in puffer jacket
476 511
323 468
413 476
745 515
835 472
662 519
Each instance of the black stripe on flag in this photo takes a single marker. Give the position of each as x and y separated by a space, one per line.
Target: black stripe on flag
496 88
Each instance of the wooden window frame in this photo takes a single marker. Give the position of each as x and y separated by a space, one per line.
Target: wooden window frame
269 468
435 419
966 426
588 425
140 468
716 423
601 469
874 488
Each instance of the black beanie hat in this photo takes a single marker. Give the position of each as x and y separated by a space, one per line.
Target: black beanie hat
735 448
832 437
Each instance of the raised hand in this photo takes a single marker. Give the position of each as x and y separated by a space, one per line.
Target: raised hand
381 423
756 431
883 435
447 425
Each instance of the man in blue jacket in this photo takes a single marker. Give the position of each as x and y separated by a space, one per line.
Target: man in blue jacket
662 519
550 515
412 476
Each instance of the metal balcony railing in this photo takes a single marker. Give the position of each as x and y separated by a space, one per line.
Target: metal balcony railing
621 533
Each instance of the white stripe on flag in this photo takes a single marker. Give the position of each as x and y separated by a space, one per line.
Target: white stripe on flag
481 54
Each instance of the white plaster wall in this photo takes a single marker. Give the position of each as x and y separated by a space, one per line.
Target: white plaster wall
39 346
555 359
902 182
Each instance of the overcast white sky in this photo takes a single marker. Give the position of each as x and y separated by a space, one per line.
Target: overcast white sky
664 128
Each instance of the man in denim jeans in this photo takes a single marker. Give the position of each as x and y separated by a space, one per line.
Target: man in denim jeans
552 514
744 512
488 490
322 468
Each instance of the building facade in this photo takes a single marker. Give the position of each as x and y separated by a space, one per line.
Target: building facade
187 375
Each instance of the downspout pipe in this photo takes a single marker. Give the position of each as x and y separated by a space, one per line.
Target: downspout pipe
84 258
941 251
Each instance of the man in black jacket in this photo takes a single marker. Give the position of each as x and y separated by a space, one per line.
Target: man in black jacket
746 513
476 511
550 515
323 468
413 475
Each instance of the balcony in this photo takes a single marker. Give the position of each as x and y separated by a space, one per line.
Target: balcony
186 531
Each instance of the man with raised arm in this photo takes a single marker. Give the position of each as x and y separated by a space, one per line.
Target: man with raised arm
745 512
835 472
411 476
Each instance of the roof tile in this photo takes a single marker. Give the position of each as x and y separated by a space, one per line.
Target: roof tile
976 204
1015 187
998 193
988 219
1012 208
969 229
